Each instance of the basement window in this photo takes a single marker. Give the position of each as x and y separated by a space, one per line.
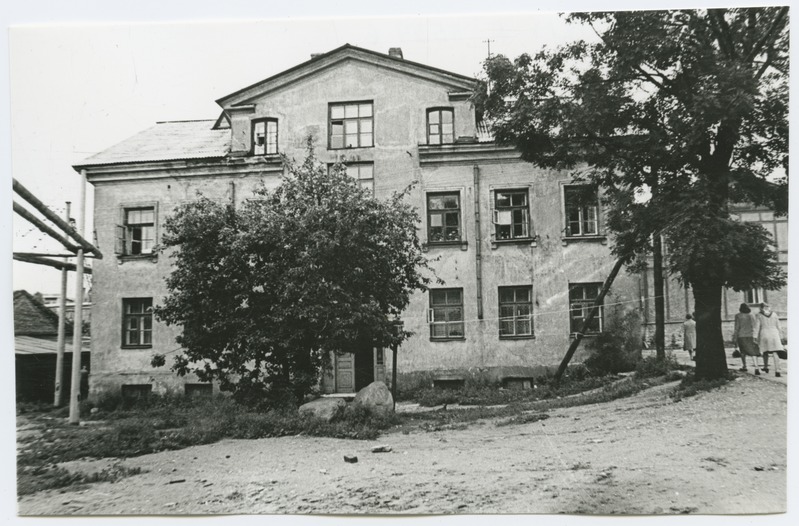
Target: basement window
136 391
198 390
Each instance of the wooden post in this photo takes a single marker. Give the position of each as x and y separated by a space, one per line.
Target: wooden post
62 311
398 327
77 331
579 336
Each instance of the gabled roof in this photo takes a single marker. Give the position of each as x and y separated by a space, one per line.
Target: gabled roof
166 141
32 318
453 81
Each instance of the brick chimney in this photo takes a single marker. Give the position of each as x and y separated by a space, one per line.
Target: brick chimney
395 52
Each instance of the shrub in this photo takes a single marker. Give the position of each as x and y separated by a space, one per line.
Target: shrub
653 366
618 348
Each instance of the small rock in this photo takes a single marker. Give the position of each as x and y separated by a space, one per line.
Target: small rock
352 459
323 471
176 481
227 456
94 410
381 449
170 504
758 468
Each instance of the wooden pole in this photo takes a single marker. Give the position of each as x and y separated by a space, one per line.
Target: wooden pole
77 331
41 225
62 312
41 260
52 216
394 377
597 303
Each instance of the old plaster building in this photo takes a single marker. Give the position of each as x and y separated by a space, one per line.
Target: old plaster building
522 250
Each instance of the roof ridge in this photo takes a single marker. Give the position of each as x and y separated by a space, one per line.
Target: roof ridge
186 120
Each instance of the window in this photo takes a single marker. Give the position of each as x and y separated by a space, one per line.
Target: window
515 311
581 301
582 210
264 137
446 314
198 390
131 392
440 129
511 215
351 125
443 218
137 235
364 173
753 296
137 322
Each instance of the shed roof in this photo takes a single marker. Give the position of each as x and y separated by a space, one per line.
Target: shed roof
33 318
166 141
33 345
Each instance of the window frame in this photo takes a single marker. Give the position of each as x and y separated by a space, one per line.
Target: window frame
567 231
585 305
758 294
516 318
442 212
359 180
123 247
359 120
439 110
140 317
446 307
266 122
525 209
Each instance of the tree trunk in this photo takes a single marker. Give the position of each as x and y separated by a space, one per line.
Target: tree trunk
711 359
660 307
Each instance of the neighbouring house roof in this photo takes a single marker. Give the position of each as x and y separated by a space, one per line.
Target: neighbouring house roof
455 81
484 133
34 345
166 141
33 318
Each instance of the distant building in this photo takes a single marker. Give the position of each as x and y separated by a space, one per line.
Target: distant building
51 301
35 349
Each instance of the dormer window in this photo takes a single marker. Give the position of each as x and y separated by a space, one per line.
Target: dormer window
440 128
264 137
351 125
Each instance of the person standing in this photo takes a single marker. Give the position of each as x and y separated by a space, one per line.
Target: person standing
769 337
743 336
689 335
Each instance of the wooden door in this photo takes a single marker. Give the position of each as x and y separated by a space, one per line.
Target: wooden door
345 373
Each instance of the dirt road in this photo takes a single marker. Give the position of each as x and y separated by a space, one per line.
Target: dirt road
716 453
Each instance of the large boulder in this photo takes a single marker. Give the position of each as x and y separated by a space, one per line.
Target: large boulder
324 408
375 396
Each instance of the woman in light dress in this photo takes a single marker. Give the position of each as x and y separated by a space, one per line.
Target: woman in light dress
769 337
689 335
743 336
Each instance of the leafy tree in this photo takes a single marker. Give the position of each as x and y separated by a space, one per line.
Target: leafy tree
676 114
264 292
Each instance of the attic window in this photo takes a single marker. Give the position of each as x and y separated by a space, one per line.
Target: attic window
440 129
264 137
351 125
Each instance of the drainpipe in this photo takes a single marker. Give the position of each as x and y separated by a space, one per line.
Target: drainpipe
478 242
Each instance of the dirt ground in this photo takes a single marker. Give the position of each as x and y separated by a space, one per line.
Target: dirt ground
720 452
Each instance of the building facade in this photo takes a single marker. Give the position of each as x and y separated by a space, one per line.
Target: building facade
522 251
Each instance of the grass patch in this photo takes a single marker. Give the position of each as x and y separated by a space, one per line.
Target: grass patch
524 418
31 479
168 425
